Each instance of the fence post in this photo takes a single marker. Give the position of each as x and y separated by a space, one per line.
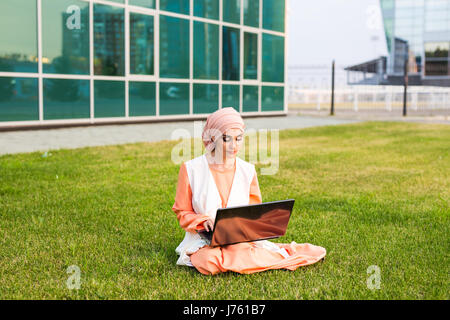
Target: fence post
355 100
415 96
405 86
318 99
332 89
388 93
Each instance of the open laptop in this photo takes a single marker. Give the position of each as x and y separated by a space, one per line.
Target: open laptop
252 222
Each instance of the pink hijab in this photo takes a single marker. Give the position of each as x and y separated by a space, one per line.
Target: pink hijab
218 123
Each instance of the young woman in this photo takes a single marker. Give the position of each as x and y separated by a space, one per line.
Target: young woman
219 179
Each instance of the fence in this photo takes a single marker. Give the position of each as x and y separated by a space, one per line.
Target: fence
387 99
432 100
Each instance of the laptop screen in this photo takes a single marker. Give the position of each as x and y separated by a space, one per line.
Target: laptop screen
253 222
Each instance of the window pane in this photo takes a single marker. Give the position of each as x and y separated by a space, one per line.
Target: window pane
108 40
142 100
173 98
206 9
141 44
173 47
436 68
272 98
249 98
66 99
118 1
206 51
251 13
437 49
230 96
273 15
109 98
19 99
250 55
179 6
272 58
143 3
232 11
206 98
230 54
65 36
18 36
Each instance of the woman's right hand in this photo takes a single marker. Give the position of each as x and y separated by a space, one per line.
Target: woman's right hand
208 224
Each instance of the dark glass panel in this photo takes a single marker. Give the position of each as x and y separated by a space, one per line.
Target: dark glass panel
206 98
173 98
230 54
142 98
141 44
109 40
109 98
173 47
66 99
206 51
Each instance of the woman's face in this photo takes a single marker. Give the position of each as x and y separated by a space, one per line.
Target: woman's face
231 142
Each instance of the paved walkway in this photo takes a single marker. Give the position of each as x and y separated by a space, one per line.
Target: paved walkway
77 137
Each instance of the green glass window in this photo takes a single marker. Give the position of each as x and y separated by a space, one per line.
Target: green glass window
118 1
109 54
230 96
231 11
251 13
141 44
206 9
206 51
273 15
65 36
173 98
19 99
66 99
206 98
173 47
272 58
178 6
272 98
109 98
142 98
250 55
249 98
230 53
143 3
18 36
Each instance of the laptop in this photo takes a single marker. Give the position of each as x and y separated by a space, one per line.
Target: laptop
252 222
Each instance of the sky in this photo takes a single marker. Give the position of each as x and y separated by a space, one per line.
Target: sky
349 31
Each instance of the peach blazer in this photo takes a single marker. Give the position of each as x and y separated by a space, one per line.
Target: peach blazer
201 191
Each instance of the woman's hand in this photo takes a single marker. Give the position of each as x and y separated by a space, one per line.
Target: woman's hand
208 224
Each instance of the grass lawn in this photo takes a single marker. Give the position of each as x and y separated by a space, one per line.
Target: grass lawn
373 193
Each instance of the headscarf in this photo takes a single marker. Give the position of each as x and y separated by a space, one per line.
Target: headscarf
217 123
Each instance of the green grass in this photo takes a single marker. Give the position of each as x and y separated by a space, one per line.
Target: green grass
370 193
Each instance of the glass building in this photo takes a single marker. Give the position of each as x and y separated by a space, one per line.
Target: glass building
97 61
424 27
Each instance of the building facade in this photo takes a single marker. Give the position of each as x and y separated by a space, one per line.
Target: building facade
98 61
421 28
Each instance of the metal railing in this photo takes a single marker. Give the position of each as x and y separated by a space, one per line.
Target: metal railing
326 96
